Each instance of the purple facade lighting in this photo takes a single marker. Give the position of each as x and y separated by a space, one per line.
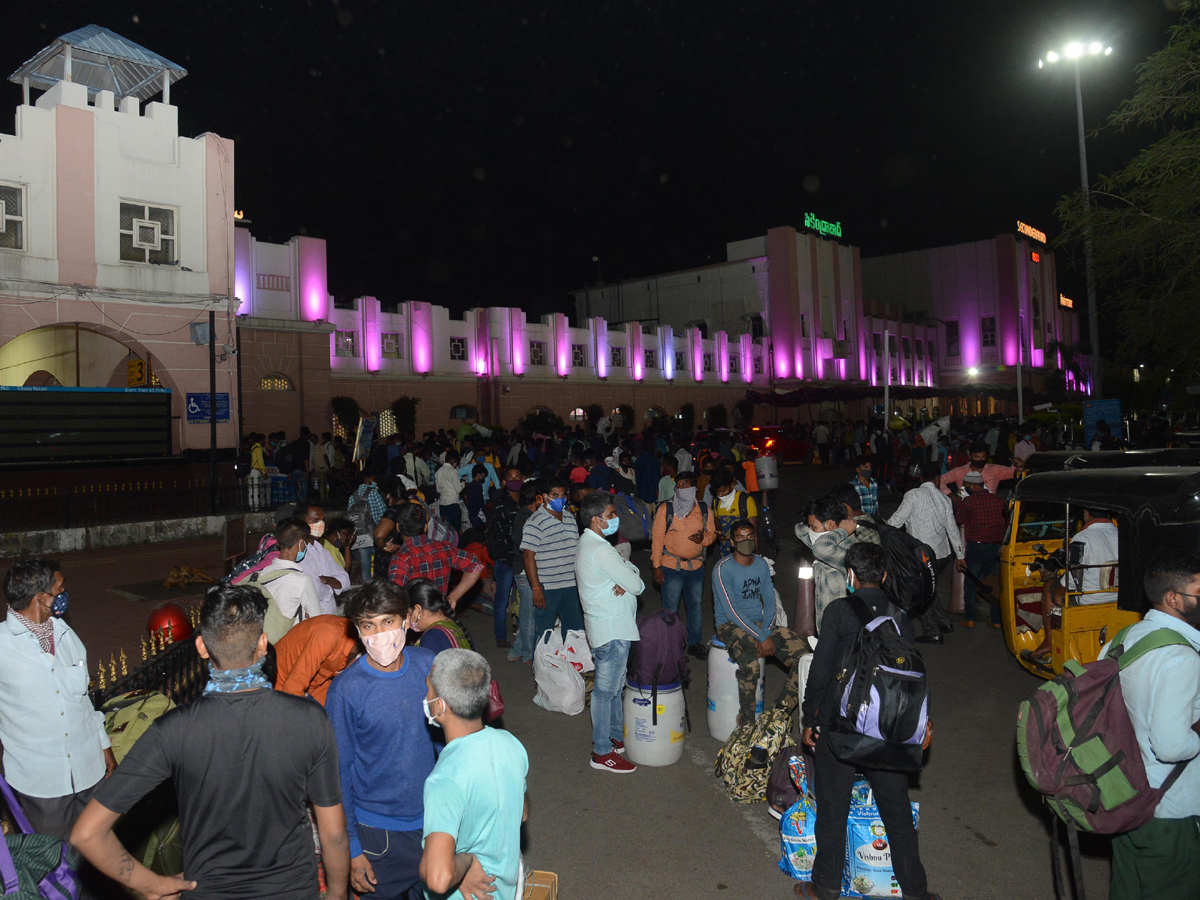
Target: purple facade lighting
747 354
697 343
601 329
372 339
314 285
420 318
561 330
516 328
667 342
723 356
241 270
637 356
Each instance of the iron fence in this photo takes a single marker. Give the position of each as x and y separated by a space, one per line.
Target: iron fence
171 668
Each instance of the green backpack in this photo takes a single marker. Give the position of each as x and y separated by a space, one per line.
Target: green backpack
275 623
128 715
770 731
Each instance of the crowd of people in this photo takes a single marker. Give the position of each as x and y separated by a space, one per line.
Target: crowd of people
346 703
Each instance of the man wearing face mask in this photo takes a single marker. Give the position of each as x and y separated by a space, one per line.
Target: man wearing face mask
1161 859
55 749
683 528
608 589
830 529
992 473
385 749
328 578
744 603
548 546
290 586
503 551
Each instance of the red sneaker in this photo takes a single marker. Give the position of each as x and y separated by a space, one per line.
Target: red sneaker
619 747
613 762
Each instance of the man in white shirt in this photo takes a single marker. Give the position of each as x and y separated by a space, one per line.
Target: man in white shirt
1025 448
328 578
608 589
54 762
295 594
928 515
449 486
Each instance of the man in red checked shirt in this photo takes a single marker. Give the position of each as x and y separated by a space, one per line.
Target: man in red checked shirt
422 557
984 524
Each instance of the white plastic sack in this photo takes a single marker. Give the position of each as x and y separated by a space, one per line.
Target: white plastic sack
578 651
559 685
781 618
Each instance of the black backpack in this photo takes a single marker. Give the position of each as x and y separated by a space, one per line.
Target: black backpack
911 566
882 696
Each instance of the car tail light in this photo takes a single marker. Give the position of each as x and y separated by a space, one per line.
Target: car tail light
770 442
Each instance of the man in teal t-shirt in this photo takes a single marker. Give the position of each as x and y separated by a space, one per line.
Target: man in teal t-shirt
475 797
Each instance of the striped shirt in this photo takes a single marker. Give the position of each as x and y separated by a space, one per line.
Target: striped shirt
553 543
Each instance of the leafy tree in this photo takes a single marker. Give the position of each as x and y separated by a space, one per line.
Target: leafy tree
347 413
743 413
716 416
687 416
1144 219
542 421
404 408
625 411
593 412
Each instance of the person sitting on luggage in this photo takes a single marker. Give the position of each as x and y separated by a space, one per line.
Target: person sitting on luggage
833 779
1091 563
744 601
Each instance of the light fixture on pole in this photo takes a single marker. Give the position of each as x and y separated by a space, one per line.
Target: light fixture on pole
1075 51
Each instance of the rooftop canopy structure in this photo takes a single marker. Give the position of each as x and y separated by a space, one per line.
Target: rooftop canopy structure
102 60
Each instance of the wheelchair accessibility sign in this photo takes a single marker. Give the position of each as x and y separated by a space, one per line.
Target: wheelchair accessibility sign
198 408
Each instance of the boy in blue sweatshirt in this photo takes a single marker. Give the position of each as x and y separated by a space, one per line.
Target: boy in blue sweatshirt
385 747
744 602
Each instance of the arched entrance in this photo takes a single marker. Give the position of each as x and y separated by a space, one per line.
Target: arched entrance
71 356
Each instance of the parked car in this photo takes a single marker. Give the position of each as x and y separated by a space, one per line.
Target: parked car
787 444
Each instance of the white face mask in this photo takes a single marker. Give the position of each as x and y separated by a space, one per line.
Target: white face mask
429 716
384 647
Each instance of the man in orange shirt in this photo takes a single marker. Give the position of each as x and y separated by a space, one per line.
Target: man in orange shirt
683 527
312 653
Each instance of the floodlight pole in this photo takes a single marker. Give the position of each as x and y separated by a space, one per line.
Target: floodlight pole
1089 274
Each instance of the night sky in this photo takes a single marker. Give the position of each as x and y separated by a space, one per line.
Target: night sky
475 154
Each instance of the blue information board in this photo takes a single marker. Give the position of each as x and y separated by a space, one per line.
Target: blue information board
198 409
1094 411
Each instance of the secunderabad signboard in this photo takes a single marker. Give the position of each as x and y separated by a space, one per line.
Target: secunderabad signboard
1030 231
821 226
198 408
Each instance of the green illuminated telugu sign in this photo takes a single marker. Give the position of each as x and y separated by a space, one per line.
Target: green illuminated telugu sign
820 225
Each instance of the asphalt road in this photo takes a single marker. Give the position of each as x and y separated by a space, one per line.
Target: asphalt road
672 832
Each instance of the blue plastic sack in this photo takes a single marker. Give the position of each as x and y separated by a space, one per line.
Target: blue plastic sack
798 828
868 871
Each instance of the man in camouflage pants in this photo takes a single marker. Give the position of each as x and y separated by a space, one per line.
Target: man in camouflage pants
744 600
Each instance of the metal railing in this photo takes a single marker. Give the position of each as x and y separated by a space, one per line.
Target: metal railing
34 508
173 668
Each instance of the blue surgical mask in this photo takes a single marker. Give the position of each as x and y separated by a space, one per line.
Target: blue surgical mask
849 584
300 555
610 527
58 606
557 504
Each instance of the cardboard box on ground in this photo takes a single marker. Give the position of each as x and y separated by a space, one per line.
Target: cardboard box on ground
541 886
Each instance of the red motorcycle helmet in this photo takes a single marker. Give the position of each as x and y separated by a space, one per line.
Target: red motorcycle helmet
171 620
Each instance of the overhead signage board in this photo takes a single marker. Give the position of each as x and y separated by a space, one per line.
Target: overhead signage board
1106 411
136 371
821 226
198 408
1030 231
1065 302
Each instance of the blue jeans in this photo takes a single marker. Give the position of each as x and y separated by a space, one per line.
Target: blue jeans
504 583
982 560
522 647
561 603
452 515
608 714
396 858
365 555
689 585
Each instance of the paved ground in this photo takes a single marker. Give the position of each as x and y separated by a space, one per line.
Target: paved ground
671 832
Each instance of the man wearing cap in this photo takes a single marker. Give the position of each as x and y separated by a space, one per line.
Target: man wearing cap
981 515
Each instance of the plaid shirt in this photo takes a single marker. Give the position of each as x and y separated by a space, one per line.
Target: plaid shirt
421 557
868 496
982 515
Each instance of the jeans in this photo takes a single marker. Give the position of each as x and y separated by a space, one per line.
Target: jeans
522 647
689 585
504 583
833 780
561 603
982 560
256 489
452 515
396 858
608 713
935 620
365 555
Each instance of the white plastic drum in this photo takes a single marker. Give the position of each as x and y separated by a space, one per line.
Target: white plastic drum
766 470
654 737
723 693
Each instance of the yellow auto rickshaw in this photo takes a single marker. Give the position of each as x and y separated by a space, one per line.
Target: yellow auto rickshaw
1152 507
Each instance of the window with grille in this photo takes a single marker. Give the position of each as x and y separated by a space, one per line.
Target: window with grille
577 415
735 364
708 362
952 347
458 349
387 423
680 361
148 234
987 333
907 348
275 382
758 364
463 412
579 355
920 349
537 353
618 356
12 217
391 347
345 343
651 359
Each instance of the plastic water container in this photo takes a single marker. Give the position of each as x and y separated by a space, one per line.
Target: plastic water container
723 693
766 470
654 737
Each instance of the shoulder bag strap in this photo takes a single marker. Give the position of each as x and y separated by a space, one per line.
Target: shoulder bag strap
865 616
